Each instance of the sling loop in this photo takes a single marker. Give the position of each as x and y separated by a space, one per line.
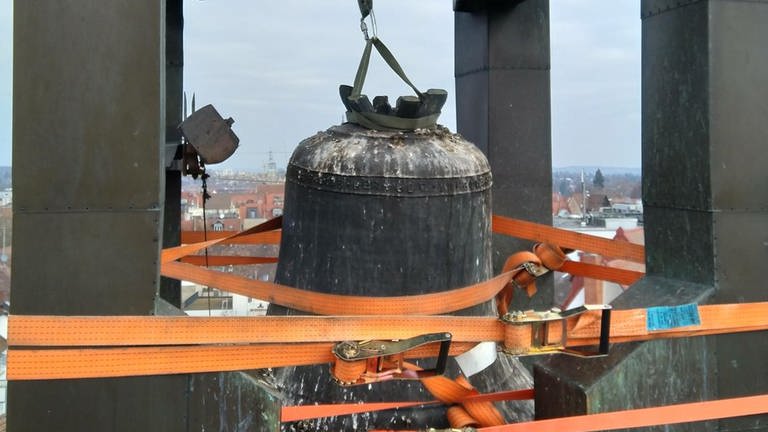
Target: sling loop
411 113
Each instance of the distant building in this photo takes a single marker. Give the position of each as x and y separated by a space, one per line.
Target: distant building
198 300
6 197
233 211
577 290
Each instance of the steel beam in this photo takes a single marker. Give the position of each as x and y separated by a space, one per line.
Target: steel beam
88 135
738 91
503 106
91 126
170 289
705 87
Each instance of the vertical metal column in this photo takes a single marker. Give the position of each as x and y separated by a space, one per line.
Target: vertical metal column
88 132
170 289
705 99
503 102
89 86
90 149
503 106
704 159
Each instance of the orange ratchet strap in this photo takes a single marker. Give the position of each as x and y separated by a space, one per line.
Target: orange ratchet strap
332 304
464 411
268 233
611 274
231 237
223 260
257 234
523 266
94 331
144 345
643 417
44 364
567 239
306 412
519 270
54 347
549 255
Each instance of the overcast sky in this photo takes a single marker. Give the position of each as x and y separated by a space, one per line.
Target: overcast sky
275 68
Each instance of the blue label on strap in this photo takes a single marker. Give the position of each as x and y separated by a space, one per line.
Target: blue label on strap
668 317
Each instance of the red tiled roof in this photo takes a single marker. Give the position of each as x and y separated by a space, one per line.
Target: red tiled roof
270 188
632 235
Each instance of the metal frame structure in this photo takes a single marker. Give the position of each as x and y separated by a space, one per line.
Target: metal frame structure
97 92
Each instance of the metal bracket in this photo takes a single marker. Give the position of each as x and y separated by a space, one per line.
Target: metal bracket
210 135
534 269
540 322
385 359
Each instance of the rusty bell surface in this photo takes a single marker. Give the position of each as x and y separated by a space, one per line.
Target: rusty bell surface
385 213
382 213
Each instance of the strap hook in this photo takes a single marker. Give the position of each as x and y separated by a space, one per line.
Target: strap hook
364 29
366 9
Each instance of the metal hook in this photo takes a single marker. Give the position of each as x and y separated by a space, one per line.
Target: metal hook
366 10
364 29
